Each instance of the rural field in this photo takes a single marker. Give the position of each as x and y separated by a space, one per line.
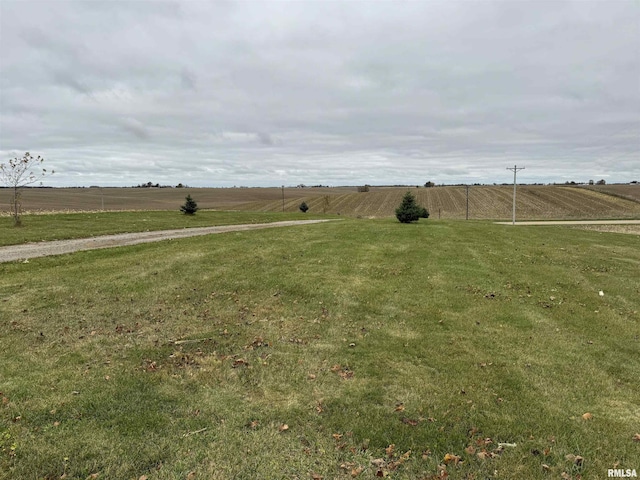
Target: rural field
359 348
534 202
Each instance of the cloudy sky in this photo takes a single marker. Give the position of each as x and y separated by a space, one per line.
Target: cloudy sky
118 93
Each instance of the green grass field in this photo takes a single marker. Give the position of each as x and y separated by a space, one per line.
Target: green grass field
64 226
351 349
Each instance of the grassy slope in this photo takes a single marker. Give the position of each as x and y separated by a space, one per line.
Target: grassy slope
464 335
62 226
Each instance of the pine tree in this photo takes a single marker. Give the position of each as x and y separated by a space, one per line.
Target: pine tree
304 207
409 211
190 207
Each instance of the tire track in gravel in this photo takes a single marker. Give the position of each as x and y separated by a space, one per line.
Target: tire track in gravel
58 247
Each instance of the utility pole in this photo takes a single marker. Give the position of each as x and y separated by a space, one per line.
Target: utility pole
467 202
515 170
283 198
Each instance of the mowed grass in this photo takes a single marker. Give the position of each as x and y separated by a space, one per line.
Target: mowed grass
63 226
352 349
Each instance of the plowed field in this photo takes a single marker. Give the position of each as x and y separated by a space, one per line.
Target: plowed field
484 202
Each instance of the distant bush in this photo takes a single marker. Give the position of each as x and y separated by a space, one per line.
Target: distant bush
409 211
190 207
364 188
304 207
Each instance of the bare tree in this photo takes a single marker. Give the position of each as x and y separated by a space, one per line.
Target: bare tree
19 172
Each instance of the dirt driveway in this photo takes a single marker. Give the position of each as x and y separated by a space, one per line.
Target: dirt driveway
42 249
576 222
612 226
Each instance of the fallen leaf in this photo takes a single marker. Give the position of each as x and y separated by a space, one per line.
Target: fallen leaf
409 421
283 428
470 450
239 362
399 407
390 449
587 416
191 475
565 476
143 477
311 376
451 458
546 467
337 436
253 424
356 471
636 437
316 476
378 462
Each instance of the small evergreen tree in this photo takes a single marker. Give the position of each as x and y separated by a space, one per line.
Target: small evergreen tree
409 211
304 207
190 207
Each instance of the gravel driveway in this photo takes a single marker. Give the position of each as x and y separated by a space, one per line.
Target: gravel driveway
42 249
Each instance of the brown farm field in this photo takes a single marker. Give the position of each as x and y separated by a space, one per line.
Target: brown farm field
447 202
630 192
485 202
117 199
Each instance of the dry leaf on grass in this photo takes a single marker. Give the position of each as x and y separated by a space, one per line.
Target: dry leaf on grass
356 471
451 458
587 416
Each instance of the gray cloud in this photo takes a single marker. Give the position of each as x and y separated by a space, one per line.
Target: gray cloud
265 93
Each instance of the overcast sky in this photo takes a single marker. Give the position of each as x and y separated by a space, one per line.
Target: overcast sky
258 93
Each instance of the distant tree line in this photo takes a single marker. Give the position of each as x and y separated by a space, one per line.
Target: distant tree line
157 185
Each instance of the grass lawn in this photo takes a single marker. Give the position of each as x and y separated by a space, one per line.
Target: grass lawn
63 226
353 349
